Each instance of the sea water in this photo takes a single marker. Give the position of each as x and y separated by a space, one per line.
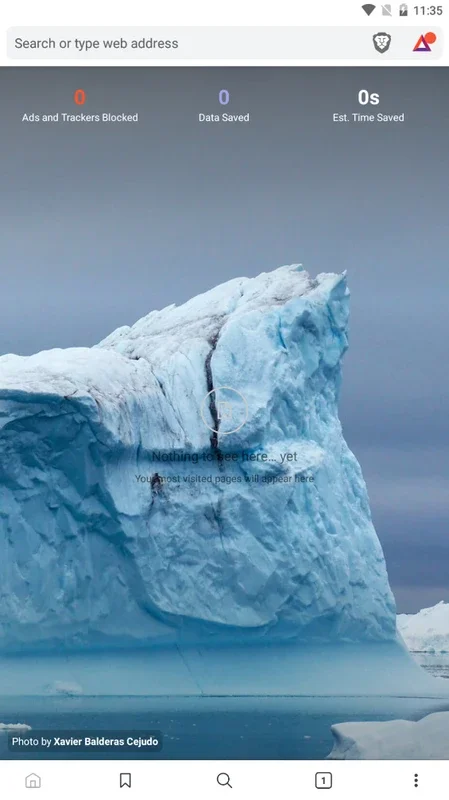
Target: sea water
212 728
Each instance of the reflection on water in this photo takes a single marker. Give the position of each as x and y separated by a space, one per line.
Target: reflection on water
435 663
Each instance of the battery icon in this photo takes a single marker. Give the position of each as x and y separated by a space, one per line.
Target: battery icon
403 10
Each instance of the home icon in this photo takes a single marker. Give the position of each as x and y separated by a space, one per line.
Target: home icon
33 781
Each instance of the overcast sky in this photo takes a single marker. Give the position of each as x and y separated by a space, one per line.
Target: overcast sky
99 225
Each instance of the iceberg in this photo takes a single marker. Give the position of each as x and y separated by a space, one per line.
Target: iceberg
427 738
184 489
428 630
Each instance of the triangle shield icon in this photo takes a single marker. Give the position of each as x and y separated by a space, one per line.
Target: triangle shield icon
421 46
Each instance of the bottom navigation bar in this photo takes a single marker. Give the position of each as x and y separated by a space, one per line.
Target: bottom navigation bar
208 779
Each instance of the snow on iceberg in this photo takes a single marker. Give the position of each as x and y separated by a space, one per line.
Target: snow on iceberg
428 630
398 739
127 520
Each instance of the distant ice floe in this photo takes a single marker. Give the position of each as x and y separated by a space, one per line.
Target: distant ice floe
65 688
6 727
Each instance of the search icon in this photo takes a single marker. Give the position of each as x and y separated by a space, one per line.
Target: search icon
223 779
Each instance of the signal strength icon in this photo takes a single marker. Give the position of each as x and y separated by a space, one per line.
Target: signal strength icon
368 8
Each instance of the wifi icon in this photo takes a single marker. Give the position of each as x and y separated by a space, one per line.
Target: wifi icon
368 8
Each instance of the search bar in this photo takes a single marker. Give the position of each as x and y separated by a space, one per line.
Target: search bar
382 43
